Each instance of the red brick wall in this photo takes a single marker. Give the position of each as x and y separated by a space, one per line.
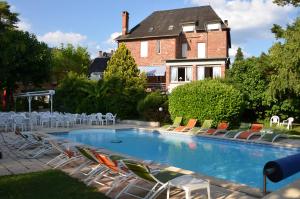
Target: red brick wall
167 51
216 47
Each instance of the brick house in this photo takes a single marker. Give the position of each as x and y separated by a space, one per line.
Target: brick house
178 46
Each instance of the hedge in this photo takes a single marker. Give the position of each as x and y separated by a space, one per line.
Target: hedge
206 99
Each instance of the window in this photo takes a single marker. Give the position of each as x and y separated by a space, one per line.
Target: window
181 74
184 49
144 49
214 26
200 73
151 29
216 71
188 28
208 72
158 46
170 27
201 50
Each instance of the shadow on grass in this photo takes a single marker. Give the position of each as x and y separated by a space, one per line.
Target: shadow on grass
51 184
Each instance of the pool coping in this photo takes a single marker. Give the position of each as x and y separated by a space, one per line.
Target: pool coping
255 192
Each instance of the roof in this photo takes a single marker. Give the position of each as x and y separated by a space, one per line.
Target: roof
99 64
158 23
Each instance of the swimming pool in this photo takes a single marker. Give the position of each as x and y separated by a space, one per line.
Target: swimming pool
230 160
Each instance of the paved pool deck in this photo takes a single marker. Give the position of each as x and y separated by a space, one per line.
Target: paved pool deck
15 162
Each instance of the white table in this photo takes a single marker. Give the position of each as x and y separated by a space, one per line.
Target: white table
189 183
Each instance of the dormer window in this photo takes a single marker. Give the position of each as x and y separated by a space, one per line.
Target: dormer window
213 26
170 27
188 28
151 29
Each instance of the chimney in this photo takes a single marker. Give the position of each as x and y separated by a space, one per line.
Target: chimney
125 22
100 54
226 22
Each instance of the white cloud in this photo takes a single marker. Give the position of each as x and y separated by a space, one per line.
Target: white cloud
233 50
113 36
250 18
23 25
56 38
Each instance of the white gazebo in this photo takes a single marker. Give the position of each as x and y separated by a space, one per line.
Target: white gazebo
29 96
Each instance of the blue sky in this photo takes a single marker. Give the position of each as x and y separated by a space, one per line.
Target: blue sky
94 23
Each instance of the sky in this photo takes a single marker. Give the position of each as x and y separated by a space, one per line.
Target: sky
95 23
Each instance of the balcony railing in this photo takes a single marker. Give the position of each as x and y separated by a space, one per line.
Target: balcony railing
156 86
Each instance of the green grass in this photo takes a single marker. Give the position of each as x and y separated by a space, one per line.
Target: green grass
51 184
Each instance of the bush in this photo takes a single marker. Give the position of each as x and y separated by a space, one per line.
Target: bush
207 99
75 94
148 107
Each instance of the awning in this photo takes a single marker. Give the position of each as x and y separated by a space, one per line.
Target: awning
153 70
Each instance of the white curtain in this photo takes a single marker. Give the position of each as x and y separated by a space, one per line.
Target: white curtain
216 71
200 73
174 71
188 75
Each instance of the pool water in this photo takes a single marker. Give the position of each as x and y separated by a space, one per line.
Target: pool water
230 160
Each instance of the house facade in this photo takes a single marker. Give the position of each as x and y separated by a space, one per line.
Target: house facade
177 46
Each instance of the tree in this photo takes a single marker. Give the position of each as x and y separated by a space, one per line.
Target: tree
239 56
295 3
250 77
124 85
8 19
284 89
23 59
69 58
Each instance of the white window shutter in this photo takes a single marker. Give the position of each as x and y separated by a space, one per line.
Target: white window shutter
201 50
144 49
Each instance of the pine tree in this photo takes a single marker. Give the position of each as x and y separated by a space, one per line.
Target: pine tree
239 56
124 85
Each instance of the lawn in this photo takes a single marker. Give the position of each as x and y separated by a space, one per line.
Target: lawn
51 184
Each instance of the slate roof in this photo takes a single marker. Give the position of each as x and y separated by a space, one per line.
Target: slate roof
99 64
160 21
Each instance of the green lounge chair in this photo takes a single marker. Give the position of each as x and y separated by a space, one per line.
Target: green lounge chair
160 179
272 136
176 123
205 126
233 133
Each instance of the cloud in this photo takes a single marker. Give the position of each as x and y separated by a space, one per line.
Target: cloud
56 38
250 17
113 36
23 25
233 50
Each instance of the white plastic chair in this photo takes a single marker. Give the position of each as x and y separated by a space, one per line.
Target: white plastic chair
274 120
287 123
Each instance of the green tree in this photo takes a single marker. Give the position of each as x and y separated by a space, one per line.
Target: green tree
287 2
124 85
284 89
69 58
8 19
250 77
239 56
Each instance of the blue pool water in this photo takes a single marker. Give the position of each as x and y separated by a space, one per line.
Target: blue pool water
230 160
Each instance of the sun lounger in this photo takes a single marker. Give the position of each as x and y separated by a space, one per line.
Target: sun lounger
253 131
190 125
221 127
205 126
234 132
176 123
160 179
272 136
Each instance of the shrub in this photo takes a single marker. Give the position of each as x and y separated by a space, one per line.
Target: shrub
207 99
148 107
